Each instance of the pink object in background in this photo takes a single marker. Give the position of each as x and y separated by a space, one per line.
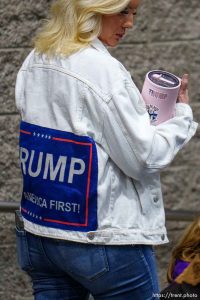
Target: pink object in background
160 92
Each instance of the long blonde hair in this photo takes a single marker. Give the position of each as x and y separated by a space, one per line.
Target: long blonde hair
188 246
73 24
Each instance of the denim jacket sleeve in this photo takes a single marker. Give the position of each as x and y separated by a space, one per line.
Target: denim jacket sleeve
137 147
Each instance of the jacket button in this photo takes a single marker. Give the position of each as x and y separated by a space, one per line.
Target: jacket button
155 199
162 237
91 235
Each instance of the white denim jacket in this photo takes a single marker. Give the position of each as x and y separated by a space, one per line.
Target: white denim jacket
91 94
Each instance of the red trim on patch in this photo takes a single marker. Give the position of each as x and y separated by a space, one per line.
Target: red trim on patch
25 132
65 223
70 141
24 210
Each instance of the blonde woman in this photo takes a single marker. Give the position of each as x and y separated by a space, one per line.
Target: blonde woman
184 267
91 205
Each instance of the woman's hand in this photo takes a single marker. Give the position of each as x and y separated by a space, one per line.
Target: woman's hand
183 96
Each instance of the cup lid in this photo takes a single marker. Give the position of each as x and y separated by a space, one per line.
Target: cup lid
163 78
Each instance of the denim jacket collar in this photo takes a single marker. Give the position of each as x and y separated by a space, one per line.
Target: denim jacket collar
97 44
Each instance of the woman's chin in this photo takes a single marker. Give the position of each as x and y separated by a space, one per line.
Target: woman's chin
113 43
110 43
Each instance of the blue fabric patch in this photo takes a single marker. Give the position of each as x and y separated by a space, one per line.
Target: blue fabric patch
60 172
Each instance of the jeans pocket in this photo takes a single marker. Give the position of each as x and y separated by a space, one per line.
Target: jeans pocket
85 261
22 250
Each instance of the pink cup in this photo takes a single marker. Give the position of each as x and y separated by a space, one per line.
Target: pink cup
160 92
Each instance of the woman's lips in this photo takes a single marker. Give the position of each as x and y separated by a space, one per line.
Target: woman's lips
119 35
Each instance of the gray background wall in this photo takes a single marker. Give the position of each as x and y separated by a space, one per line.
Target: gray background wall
166 36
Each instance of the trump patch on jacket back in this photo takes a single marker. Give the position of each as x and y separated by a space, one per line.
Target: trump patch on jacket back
60 173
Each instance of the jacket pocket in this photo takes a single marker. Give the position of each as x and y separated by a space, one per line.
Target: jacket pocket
143 196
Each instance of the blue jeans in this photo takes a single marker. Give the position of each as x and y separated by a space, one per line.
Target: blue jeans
64 270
